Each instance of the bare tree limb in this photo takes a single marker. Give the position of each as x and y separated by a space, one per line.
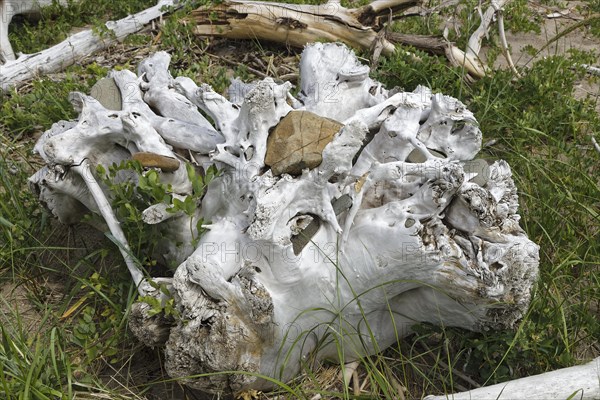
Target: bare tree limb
77 46
298 24
579 382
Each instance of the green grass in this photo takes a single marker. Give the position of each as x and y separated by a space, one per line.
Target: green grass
57 21
535 124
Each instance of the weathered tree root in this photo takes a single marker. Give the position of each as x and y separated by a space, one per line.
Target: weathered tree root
329 253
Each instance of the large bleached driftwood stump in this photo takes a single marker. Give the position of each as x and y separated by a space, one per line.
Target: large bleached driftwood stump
341 217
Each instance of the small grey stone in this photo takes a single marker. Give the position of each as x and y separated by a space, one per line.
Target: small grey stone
416 156
341 204
108 94
479 167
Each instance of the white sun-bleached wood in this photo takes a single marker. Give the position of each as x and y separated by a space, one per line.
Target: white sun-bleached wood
286 23
361 27
580 382
409 227
14 71
8 10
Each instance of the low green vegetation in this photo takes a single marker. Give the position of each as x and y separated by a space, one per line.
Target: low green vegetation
57 21
534 122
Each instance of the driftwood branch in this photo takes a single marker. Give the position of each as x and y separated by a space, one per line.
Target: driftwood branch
580 382
10 8
298 24
294 25
76 46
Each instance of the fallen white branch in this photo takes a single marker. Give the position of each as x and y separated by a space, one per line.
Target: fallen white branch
10 8
591 69
596 145
504 43
108 214
76 46
299 24
581 382
474 44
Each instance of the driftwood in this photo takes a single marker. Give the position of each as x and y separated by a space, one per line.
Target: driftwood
10 8
69 51
336 258
299 24
581 382
294 25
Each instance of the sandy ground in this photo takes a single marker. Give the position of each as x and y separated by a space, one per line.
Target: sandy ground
555 20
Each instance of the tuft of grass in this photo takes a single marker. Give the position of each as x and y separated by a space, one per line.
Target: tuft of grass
34 366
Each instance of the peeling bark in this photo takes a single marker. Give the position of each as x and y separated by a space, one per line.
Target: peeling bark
297 25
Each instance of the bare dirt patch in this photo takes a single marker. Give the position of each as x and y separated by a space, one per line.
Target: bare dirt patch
527 47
